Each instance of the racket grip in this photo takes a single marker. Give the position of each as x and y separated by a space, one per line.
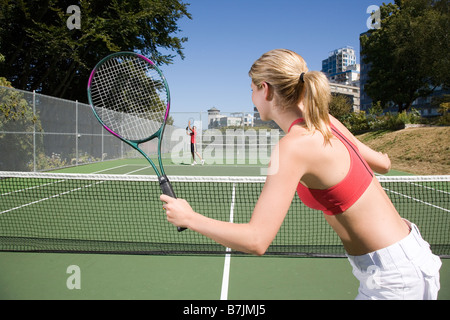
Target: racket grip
167 189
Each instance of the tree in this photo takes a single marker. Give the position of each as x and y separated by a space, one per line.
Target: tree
443 104
340 106
41 53
16 115
408 55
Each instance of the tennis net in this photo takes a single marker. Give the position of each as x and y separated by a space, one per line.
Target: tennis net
48 212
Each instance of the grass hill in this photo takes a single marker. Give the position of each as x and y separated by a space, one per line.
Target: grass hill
420 151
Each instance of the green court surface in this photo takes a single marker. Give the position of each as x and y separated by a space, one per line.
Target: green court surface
141 167
44 276
179 277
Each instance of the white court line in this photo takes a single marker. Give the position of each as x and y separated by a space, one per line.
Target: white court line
46 184
48 198
137 170
226 267
30 188
418 200
113 168
60 194
431 188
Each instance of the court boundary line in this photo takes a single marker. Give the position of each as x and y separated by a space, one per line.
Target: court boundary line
417 200
50 197
227 262
60 194
46 184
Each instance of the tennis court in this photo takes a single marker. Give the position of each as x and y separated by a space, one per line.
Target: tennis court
199 270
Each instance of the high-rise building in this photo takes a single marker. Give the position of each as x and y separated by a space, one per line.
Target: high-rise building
341 66
342 71
366 100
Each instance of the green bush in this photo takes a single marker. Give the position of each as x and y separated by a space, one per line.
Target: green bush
444 110
356 122
359 122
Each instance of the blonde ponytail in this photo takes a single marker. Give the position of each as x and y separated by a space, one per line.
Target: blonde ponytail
287 73
316 99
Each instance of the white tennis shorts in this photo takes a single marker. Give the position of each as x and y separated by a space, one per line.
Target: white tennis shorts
406 270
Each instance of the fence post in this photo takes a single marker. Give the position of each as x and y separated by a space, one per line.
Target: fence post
34 131
77 136
103 142
200 140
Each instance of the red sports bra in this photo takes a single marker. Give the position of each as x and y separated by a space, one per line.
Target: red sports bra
342 196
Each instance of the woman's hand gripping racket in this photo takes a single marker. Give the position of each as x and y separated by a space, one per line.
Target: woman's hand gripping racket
130 97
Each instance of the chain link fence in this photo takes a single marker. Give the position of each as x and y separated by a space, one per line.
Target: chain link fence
42 133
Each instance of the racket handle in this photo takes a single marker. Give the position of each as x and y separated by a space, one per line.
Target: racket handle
167 189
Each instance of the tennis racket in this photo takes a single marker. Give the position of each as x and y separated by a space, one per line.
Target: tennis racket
130 98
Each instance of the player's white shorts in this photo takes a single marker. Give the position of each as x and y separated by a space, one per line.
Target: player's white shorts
406 270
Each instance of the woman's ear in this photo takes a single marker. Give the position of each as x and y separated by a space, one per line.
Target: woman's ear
268 91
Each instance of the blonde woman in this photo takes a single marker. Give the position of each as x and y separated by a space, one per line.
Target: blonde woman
331 171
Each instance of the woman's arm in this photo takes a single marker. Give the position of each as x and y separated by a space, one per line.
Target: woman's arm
378 162
255 236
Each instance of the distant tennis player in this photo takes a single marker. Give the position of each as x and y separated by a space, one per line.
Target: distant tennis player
192 131
331 171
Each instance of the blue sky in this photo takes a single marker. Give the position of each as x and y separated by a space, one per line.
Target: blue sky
227 36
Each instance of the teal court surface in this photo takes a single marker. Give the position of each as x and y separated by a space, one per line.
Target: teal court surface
180 275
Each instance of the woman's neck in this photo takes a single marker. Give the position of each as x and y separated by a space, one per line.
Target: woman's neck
285 118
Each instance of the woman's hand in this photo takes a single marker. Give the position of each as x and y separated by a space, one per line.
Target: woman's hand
178 211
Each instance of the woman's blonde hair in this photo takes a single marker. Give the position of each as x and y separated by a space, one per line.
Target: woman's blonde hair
287 73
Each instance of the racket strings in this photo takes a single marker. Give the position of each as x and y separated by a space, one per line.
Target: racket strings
130 97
